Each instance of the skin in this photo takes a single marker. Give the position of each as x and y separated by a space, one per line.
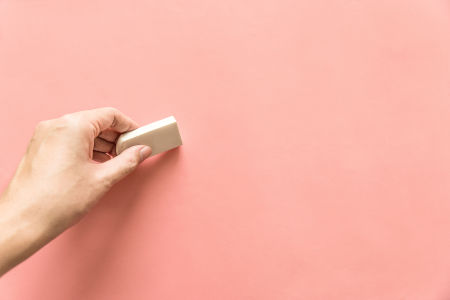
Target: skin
69 164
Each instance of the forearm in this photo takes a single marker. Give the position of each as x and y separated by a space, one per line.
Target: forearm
21 234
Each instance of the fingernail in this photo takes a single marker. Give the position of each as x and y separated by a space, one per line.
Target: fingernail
145 152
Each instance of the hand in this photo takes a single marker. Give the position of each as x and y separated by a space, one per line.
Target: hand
67 168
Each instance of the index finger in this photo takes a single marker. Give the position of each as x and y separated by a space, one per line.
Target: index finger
109 118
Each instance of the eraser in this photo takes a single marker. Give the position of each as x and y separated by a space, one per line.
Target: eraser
161 136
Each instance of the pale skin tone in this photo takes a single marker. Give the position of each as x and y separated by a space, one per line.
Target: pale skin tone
69 164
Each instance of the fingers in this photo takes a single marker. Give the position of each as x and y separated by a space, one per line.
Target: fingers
103 125
109 135
109 118
100 157
102 145
120 166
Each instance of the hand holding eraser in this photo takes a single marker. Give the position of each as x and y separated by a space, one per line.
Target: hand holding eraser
161 136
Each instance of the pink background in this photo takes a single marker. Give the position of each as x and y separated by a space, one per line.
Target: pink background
316 156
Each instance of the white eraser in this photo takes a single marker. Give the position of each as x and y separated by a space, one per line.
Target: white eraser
161 136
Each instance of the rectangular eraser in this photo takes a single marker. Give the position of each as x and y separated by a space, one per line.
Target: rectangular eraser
161 136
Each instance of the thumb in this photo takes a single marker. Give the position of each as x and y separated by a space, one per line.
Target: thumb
123 164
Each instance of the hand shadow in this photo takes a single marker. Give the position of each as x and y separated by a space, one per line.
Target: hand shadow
90 245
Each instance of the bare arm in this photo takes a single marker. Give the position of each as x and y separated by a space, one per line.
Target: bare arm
66 169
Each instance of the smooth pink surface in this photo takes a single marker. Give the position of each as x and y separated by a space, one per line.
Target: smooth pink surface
316 156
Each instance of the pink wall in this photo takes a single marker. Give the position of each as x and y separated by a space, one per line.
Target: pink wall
316 156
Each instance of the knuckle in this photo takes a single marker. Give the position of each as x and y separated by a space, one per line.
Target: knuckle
42 126
132 161
70 122
130 164
105 182
68 118
111 109
62 124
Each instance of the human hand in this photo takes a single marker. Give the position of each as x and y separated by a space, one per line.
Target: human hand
70 163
